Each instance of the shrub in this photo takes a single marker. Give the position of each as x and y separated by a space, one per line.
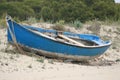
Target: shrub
77 24
58 27
61 22
15 9
31 20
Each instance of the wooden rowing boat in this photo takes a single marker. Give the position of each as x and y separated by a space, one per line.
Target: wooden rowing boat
59 44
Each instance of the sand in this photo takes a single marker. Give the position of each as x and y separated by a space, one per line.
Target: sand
16 66
62 71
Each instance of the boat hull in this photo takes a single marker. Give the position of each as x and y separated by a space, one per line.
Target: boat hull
33 41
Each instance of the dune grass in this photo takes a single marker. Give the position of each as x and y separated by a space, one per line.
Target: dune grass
59 25
106 22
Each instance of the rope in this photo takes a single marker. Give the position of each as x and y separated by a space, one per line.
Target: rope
14 39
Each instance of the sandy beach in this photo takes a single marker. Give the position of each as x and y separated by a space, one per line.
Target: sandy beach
62 71
16 66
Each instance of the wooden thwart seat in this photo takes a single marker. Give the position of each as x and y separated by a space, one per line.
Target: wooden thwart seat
70 40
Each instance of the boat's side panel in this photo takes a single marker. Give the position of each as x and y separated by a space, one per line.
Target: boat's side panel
27 38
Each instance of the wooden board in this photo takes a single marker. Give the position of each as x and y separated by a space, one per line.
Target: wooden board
70 40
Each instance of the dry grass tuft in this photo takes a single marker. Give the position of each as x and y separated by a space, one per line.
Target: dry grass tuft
58 27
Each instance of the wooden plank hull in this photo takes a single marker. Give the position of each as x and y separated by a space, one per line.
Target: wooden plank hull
30 39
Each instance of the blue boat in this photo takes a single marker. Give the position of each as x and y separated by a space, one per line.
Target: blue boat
53 43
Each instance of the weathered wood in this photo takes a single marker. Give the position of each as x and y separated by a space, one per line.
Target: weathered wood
70 40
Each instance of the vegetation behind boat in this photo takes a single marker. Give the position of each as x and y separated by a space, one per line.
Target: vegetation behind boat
75 11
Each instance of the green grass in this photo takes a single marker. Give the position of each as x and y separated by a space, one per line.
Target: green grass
41 59
30 20
77 24
60 22
51 61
